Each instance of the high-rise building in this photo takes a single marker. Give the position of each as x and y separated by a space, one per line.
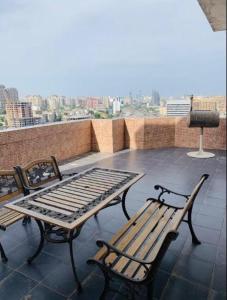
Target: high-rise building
20 115
155 98
7 95
3 97
179 107
54 102
12 94
116 105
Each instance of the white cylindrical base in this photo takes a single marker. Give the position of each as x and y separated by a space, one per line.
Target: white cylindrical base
200 154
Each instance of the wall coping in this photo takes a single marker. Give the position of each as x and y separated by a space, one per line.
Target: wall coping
44 125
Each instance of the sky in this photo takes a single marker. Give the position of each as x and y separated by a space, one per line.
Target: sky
110 47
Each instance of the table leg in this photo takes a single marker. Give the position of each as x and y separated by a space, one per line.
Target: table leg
41 243
71 237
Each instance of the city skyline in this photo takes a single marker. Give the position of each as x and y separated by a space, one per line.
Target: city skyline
99 48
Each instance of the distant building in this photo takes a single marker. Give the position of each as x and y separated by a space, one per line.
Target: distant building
3 97
155 98
36 100
116 105
210 103
179 107
20 115
92 103
12 95
54 102
7 95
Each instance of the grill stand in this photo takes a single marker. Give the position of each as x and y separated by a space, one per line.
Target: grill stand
200 153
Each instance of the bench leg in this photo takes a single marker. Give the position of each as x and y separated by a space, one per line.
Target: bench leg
150 291
106 287
3 255
195 240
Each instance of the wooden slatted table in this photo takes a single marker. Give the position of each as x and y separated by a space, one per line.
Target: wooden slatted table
61 209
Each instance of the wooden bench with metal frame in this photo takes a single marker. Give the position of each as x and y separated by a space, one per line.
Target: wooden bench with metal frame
22 181
10 187
135 251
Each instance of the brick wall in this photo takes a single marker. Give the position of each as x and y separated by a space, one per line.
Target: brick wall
63 140
159 133
144 133
214 138
107 135
67 139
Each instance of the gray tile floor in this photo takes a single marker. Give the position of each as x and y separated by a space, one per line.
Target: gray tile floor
186 272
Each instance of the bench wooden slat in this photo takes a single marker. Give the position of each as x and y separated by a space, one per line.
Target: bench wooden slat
157 218
13 220
135 229
4 212
8 217
150 243
122 231
157 246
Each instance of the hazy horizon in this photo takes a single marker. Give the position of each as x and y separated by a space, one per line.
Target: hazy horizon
99 47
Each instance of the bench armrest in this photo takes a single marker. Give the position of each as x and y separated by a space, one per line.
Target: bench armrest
113 249
165 190
145 263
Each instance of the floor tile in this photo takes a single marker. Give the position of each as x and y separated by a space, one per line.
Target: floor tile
195 270
41 292
16 286
178 288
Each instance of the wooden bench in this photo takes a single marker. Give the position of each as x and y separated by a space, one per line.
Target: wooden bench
135 251
10 187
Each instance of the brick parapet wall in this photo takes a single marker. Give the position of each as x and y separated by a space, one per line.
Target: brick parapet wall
65 140
214 138
108 135
147 133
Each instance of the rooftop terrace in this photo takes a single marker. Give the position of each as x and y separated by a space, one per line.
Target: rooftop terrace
186 272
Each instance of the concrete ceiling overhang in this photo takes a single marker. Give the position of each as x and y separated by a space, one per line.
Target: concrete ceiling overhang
215 11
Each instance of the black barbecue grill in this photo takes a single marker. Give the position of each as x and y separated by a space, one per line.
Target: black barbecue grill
202 119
